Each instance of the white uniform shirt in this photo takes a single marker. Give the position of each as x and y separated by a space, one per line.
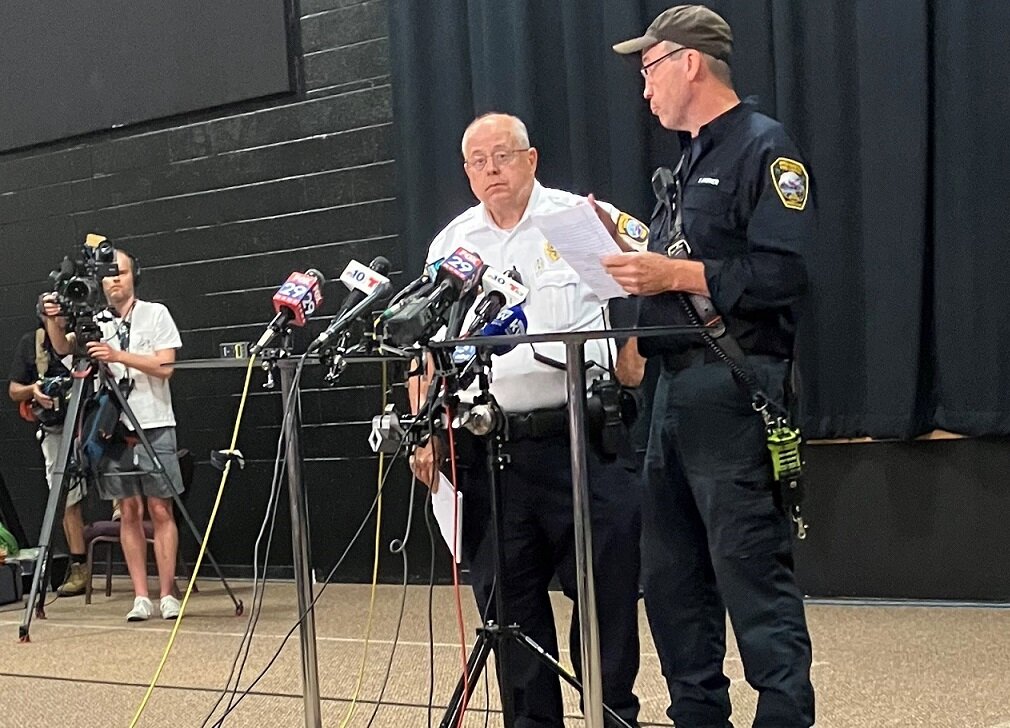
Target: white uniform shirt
558 300
151 328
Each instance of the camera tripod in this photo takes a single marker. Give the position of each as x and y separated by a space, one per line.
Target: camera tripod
68 465
487 420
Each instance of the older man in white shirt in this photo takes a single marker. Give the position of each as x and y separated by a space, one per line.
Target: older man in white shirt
529 384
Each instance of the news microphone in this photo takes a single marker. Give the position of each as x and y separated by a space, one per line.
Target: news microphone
421 315
340 323
361 281
501 290
294 302
509 322
419 286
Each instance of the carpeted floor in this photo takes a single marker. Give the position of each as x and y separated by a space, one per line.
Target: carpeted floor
86 667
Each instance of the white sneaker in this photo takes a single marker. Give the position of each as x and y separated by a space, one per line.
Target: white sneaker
169 607
142 609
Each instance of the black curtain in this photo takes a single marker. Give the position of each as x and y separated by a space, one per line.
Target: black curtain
899 105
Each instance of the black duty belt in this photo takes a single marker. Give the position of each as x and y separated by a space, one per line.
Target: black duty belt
537 424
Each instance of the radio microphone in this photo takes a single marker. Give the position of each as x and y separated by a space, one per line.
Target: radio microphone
294 302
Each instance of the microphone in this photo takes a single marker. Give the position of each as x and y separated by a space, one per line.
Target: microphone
294 302
361 281
422 285
509 284
340 323
510 321
501 290
420 316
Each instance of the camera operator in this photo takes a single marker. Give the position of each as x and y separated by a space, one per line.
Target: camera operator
140 339
37 365
537 519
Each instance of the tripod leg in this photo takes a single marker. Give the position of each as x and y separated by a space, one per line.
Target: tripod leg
57 496
159 471
556 667
475 665
239 607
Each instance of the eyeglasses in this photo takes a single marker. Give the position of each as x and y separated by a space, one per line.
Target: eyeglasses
644 70
502 158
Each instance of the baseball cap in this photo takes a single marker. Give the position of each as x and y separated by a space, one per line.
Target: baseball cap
692 26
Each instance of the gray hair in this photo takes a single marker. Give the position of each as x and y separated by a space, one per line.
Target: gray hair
719 69
519 133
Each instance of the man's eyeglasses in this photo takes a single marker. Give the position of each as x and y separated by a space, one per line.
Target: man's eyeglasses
502 158
644 70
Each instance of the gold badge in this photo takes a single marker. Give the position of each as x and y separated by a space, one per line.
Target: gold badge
791 182
551 252
631 228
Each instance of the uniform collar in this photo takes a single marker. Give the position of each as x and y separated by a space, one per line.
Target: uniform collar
484 217
721 126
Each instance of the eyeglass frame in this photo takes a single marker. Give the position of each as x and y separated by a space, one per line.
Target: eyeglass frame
504 162
644 70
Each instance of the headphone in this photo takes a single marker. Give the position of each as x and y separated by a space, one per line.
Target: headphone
134 266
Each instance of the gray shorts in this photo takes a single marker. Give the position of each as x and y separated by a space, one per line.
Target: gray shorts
136 458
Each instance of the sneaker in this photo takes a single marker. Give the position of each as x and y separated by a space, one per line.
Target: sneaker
76 581
170 607
142 610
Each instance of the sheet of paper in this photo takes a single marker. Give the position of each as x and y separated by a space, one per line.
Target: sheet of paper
579 236
447 506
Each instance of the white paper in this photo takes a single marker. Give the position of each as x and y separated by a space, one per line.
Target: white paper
447 505
579 236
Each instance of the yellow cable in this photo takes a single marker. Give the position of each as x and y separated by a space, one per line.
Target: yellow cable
203 547
375 574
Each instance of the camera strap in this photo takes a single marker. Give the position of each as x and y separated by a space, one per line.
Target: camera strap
781 436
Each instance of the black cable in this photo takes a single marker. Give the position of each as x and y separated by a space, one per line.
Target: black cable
293 406
258 589
397 546
326 583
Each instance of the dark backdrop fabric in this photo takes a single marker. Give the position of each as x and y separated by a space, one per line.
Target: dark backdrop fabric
899 107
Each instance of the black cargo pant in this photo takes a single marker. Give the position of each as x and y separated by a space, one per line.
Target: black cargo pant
539 542
714 541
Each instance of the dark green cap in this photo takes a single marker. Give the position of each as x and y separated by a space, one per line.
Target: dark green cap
692 26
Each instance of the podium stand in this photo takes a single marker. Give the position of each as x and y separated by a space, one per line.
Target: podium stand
575 374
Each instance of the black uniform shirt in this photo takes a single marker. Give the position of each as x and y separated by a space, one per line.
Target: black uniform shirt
749 216
23 369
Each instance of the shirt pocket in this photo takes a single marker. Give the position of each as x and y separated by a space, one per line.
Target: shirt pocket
712 221
555 299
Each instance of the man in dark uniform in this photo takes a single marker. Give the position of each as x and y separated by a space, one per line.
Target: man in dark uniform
715 539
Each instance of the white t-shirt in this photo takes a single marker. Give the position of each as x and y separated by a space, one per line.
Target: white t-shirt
151 329
558 300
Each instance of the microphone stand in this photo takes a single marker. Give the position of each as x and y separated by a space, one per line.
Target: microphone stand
499 629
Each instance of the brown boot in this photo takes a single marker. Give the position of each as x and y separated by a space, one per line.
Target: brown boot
76 582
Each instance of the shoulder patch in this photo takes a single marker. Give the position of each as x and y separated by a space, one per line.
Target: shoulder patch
632 228
791 182
551 252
